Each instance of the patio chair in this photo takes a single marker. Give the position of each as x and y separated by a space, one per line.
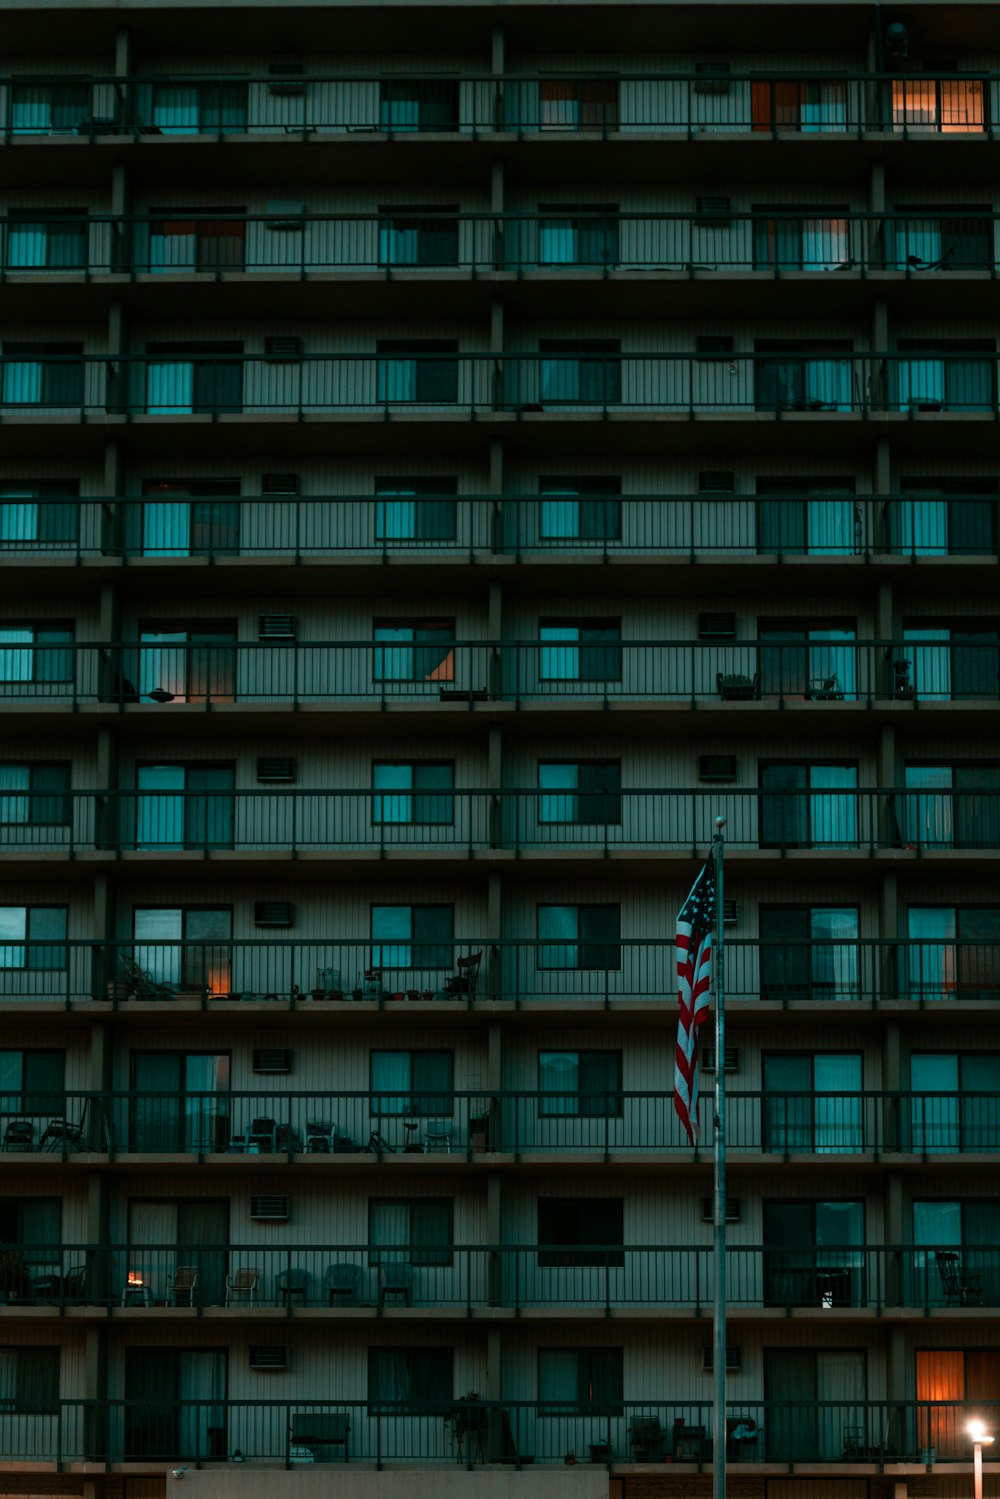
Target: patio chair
395 1279
467 977
60 1134
287 1138
323 1435
319 1136
241 1288
141 985
73 1283
961 1287
438 1134
19 1135
736 687
825 690
262 1135
292 1283
183 1287
646 1439
342 1283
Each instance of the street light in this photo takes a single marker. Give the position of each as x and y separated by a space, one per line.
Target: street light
980 1438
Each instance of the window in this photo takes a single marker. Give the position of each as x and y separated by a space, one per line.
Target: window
415 509
808 806
949 375
953 952
812 1104
35 795
418 236
953 106
177 1403
814 1254
950 662
578 234
180 1102
182 806
33 1225
808 516
953 806
579 937
813 1395
198 108
409 1379
797 377
33 1082
186 662
801 239
942 516
580 1381
34 516
810 107
185 518
809 658
29 1381
57 242
809 952
36 653
940 238
186 239
413 793
33 937
578 1231
581 791
185 947
954 1102
415 651
418 104
412 936
417 370
972 1230
578 104
585 651
182 378
580 509
42 374
49 109
415 1231
412 1082
580 371
953 1385
580 1084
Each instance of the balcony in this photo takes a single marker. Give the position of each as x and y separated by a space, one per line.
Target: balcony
863 1435
306 1277
332 980
349 1132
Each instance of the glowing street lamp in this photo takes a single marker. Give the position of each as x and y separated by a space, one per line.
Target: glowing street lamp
980 1438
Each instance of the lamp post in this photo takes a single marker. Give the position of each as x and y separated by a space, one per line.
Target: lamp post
980 1438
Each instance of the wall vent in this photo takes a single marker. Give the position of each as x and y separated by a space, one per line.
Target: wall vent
714 210
711 78
276 626
280 484
732 1210
276 768
272 913
285 213
716 481
269 1209
714 343
280 346
734 1359
708 1059
269 1357
710 768
729 913
716 626
286 79
276 1059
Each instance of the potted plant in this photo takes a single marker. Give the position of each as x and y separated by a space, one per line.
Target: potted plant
600 1451
570 1459
15 1282
465 1419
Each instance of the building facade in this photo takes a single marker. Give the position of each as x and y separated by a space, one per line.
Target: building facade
439 475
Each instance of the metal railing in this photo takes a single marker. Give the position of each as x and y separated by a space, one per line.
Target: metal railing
831 669
783 385
305 1275
172 526
464 1430
466 822
838 102
775 244
457 1126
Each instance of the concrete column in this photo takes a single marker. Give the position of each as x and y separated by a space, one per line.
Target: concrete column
494 631
885 630
496 489
497 199
876 241
498 50
494 1220
892 1073
888 929
95 1384
879 377
882 485
123 53
889 812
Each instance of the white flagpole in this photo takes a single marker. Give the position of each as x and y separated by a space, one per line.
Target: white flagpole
719 1193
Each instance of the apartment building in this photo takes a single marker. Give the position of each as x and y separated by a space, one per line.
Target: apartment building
447 457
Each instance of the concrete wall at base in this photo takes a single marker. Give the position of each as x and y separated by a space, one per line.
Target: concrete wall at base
580 1482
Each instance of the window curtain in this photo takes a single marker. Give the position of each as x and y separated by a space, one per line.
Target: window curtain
923 526
833 813
918 243
160 809
829 660
936 1225
15 782
166 526
37 1381
163 662
838 1120
201 1076
395 803
389 1232
392 1383
390 1082
19 516
941 1377
169 388
41 1232
830 526
828 383
920 383
980 1104
152 1234
559 1081
202 1237
156 1120
934 1118
202 1421
175 110
558 1378
790 1381
932 955
788 1103
841 1225
929 814
834 954
931 660
157 943
823 107
841 1379
395 515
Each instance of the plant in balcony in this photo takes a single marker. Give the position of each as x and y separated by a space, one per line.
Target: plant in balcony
15 1282
466 1419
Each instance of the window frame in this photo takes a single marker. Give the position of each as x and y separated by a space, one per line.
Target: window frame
589 1104
415 947
27 943
580 942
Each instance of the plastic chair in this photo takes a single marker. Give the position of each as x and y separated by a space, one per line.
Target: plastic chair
262 1135
242 1287
183 1285
19 1135
646 1438
319 1136
292 1283
438 1134
395 1279
342 1284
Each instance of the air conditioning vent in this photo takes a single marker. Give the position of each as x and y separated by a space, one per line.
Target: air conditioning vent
732 1210
716 481
711 78
276 626
286 79
272 913
714 210
734 1359
285 213
276 768
283 346
716 626
269 1357
714 343
710 768
708 1059
280 484
729 913
275 1059
269 1209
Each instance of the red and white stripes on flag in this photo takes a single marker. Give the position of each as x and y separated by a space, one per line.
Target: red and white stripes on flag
693 943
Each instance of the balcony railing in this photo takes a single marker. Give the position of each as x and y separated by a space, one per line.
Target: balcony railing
438 1431
774 244
519 820
787 384
177 525
932 665
307 1275
834 102
274 1125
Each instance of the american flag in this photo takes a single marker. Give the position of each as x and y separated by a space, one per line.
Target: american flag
693 943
